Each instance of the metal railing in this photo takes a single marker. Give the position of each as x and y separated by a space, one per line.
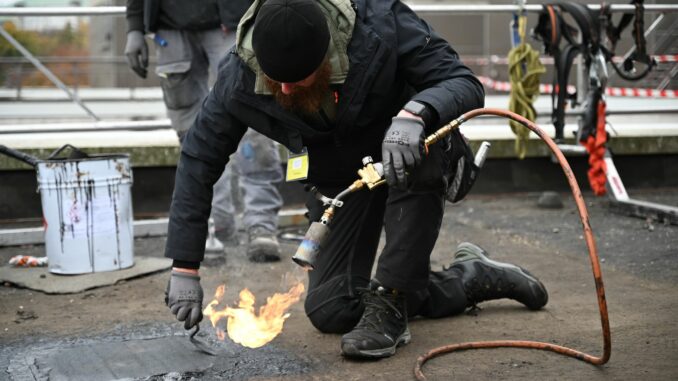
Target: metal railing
62 11
138 125
53 78
442 9
424 9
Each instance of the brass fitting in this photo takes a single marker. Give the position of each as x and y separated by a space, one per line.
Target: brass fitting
442 132
357 185
327 215
369 176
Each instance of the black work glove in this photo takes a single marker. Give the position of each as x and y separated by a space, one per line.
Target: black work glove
402 149
184 298
136 51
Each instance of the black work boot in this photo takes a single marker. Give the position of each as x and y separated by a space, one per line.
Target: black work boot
485 279
383 326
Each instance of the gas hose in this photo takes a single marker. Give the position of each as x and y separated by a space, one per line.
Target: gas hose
593 256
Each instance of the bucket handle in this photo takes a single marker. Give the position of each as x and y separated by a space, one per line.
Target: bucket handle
75 152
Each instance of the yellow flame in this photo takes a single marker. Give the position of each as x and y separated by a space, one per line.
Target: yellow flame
246 327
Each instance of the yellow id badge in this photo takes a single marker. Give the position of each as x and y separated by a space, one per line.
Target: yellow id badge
297 166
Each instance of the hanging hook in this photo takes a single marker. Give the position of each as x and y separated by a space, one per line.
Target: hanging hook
519 24
521 6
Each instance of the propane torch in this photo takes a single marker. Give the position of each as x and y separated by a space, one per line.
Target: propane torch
371 176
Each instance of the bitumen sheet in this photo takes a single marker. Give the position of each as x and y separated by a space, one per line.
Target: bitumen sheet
40 279
126 359
151 352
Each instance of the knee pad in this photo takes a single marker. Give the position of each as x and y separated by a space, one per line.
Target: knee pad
338 315
330 307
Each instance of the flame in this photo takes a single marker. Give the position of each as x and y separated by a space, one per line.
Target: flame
246 327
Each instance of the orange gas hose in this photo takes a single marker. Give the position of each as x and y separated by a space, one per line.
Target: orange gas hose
593 256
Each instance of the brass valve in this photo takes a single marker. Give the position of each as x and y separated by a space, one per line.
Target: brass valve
370 174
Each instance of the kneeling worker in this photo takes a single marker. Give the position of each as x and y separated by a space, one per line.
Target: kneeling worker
338 80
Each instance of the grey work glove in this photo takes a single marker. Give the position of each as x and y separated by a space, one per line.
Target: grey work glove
136 51
184 298
402 149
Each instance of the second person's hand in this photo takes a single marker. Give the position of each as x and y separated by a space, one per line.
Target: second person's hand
136 51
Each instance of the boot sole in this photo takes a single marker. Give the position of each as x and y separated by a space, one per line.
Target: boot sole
476 252
349 350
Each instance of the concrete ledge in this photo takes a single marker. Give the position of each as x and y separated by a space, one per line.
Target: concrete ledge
142 229
503 146
160 148
146 148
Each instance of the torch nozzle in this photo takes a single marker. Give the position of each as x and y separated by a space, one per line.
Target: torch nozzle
310 246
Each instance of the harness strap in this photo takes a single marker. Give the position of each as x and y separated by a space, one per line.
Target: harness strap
550 29
559 95
586 23
640 54
614 32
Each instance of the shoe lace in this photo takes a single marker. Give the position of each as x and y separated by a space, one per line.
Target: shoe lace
377 305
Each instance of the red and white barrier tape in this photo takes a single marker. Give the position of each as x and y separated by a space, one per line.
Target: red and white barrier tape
663 58
611 91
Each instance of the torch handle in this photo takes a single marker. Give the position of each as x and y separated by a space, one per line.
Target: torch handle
26 158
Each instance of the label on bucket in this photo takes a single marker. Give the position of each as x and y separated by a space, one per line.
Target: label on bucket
83 218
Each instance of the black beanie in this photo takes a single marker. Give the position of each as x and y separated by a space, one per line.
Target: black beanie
290 39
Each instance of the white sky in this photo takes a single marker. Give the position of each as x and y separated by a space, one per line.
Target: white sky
46 23
53 3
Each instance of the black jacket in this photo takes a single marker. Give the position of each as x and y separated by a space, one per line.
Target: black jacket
394 57
150 15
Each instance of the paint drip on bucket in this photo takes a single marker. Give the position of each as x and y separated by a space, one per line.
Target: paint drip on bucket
88 213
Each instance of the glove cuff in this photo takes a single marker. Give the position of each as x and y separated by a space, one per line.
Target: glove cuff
185 275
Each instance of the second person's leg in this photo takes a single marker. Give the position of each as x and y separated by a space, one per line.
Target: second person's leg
259 173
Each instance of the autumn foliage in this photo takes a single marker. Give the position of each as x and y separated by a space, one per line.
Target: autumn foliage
68 42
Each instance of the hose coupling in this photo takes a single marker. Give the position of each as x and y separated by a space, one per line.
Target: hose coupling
372 173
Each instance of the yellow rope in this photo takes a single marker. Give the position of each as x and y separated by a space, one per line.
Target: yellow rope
524 86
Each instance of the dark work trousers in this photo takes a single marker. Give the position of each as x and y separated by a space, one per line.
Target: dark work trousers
411 221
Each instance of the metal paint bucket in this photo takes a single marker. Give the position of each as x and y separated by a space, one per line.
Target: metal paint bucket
87 211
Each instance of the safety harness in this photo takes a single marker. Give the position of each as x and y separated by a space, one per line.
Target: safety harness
640 52
585 40
551 29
